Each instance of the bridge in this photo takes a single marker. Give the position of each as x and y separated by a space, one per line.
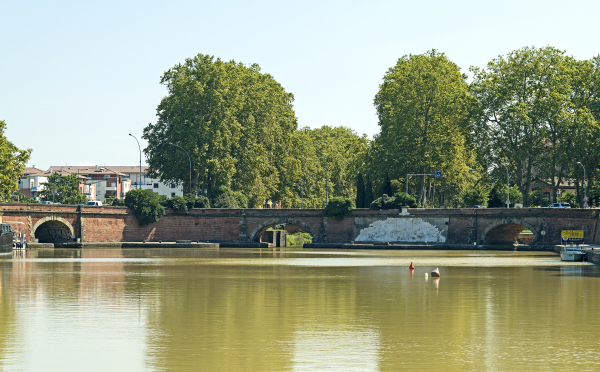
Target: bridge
66 223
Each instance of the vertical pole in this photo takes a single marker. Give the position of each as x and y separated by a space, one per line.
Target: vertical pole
507 188
483 184
302 196
407 184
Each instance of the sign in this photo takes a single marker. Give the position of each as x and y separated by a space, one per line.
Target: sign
507 201
438 174
572 236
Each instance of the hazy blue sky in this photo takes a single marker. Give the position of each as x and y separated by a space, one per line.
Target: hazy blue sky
77 76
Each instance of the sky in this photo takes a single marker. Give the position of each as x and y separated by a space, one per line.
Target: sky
76 77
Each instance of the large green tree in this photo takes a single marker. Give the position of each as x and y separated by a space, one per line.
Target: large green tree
12 164
234 122
323 160
527 117
422 106
62 189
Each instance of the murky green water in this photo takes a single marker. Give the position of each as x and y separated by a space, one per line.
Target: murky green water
296 310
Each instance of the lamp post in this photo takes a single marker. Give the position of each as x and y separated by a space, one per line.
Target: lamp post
138 142
190 159
585 198
482 183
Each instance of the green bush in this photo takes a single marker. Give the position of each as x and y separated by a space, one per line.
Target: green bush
179 205
242 200
226 200
339 207
298 238
397 201
401 199
113 201
201 202
145 204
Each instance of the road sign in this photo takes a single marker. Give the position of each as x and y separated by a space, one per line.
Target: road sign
507 201
438 174
585 199
572 236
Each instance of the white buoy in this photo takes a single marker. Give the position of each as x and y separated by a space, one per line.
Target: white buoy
435 273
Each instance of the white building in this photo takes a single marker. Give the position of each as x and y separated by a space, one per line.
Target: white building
147 183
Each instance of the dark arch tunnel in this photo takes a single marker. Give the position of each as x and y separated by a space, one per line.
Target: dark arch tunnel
508 234
53 232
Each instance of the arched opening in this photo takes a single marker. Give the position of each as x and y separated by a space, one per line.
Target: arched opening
510 233
53 231
281 233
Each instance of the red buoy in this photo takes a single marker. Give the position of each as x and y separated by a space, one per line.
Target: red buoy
411 266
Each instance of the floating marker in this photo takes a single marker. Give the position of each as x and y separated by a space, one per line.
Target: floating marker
411 266
435 273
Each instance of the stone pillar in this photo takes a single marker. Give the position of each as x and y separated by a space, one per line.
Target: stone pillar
243 229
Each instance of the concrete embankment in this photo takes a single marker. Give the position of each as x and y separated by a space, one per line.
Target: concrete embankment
174 245
428 246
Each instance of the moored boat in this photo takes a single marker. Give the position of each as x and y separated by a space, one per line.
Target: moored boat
6 239
572 254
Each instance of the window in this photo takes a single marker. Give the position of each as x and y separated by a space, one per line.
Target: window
156 185
172 194
173 185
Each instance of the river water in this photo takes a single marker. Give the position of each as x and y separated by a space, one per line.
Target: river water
296 310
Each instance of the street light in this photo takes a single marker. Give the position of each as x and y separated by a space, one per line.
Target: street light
482 183
138 142
585 199
190 159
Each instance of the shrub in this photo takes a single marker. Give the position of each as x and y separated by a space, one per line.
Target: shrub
382 203
145 204
179 205
401 199
242 200
113 201
339 207
298 238
202 202
226 200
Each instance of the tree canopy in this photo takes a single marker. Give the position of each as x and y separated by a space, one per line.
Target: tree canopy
62 189
12 164
234 122
422 107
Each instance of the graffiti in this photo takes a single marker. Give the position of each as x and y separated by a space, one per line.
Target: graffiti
59 234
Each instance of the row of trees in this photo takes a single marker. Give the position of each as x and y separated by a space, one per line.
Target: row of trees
533 114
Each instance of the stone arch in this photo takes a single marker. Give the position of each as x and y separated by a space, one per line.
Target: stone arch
258 230
505 231
53 222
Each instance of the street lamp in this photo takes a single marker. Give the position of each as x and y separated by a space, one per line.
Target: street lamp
482 183
585 198
190 159
138 142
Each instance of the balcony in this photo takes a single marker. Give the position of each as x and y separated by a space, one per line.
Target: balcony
111 188
38 188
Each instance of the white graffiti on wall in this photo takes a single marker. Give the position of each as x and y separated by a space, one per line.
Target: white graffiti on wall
401 230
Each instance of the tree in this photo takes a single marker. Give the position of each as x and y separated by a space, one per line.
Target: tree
387 186
62 189
422 107
234 122
145 204
318 157
12 164
368 192
339 207
360 191
527 118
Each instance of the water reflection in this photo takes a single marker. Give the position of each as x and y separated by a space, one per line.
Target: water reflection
266 310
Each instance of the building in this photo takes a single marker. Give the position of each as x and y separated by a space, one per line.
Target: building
31 184
117 180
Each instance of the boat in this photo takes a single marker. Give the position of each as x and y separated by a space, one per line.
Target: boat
6 239
19 241
572 254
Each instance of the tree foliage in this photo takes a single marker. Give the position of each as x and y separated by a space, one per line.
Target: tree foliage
62 189
234 121
145 204
422 106
339 207
360 191
322 159
12 164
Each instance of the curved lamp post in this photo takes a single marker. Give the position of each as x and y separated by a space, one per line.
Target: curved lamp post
190 159
138 142
585 199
